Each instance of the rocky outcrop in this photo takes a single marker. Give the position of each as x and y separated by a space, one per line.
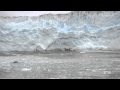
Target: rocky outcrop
72 31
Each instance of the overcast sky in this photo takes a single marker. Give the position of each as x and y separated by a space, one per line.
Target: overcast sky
28 13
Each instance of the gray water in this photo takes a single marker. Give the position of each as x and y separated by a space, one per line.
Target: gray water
60 65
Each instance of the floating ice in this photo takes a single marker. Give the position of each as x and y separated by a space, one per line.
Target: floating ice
26 69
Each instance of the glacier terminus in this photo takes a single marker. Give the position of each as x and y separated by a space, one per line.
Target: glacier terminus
75 31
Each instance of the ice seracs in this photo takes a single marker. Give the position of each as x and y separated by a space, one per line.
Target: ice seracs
74 30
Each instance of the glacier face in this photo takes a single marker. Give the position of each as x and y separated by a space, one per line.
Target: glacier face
75 30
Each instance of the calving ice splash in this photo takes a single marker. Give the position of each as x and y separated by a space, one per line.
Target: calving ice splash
74 30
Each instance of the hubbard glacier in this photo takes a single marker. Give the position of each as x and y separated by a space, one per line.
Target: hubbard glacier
78 44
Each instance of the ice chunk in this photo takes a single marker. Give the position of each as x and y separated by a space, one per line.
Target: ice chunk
26 69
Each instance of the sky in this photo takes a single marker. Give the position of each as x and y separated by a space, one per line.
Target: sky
29 13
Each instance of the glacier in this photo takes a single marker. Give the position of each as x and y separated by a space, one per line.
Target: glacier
76 30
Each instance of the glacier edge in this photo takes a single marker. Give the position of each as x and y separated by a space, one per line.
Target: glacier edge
75 30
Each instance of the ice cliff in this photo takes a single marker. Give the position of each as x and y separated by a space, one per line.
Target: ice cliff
75 30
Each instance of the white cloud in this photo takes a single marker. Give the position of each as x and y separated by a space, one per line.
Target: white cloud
28 13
